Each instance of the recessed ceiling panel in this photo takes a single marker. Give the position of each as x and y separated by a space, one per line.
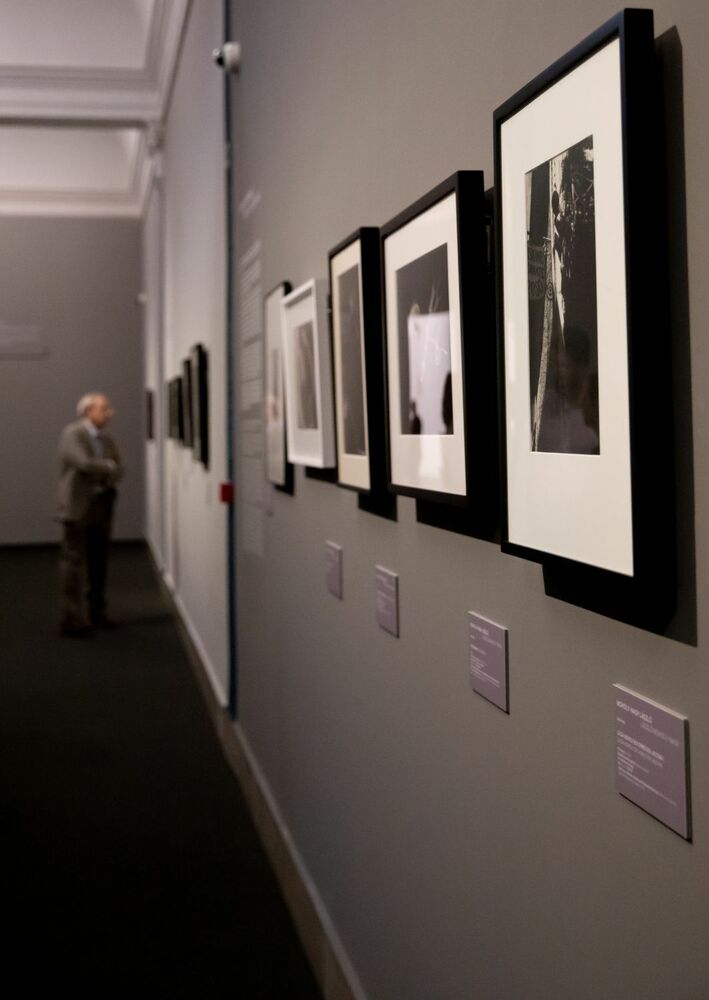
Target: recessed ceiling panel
88 59
74 171
67 159
72 61
75 34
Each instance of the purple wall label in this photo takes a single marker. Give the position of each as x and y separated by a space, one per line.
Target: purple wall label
651 759
388 600
487 648
333 568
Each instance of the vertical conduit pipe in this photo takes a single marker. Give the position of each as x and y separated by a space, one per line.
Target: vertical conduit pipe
230 428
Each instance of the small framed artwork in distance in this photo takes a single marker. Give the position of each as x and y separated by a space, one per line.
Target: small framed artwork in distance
171 416
176 411
200 404
187 396
308 376
279 470
149 415
355 298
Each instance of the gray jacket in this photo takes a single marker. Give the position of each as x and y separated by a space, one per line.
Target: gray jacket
81 472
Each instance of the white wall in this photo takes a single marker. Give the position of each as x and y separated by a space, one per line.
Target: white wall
186 521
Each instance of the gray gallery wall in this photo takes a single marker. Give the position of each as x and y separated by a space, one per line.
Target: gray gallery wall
77 281
459 852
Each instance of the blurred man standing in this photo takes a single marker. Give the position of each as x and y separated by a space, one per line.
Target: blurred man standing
90 467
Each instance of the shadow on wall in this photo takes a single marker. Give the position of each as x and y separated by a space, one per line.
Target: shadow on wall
593 589
683 628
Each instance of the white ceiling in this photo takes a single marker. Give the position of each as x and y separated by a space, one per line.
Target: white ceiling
78 80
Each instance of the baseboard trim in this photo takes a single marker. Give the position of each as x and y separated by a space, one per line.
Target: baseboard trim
196 652
326 954
155 555
321 943
205 663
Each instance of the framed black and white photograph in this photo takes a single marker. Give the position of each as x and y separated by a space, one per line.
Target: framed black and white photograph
574 184
175 409
308 376
187 404
149 415
171 413
279 470
355 299
439 344
200 403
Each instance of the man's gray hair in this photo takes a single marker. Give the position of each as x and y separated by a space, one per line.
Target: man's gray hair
86 401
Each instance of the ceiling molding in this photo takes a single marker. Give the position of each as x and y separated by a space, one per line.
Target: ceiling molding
132 95
128 201
81 205
110 93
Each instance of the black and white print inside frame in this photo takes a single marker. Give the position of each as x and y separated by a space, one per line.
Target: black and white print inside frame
439 352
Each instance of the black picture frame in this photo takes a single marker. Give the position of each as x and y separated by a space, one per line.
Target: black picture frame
597 531
199 361
149 415
186 387
472 346
175 409
169 407
354 267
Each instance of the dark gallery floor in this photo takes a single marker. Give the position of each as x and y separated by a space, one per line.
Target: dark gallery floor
130 866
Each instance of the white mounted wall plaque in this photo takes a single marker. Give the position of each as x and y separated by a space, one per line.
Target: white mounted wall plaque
388 600
333 568
652 759
487 647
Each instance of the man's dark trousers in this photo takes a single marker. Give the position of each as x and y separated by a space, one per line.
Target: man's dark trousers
84 561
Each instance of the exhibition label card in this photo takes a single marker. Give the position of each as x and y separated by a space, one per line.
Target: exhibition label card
487 647
388 600
652 754
333 568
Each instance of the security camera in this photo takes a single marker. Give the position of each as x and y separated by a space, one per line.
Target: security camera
228 57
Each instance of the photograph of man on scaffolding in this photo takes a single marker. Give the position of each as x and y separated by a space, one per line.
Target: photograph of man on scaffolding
563 327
